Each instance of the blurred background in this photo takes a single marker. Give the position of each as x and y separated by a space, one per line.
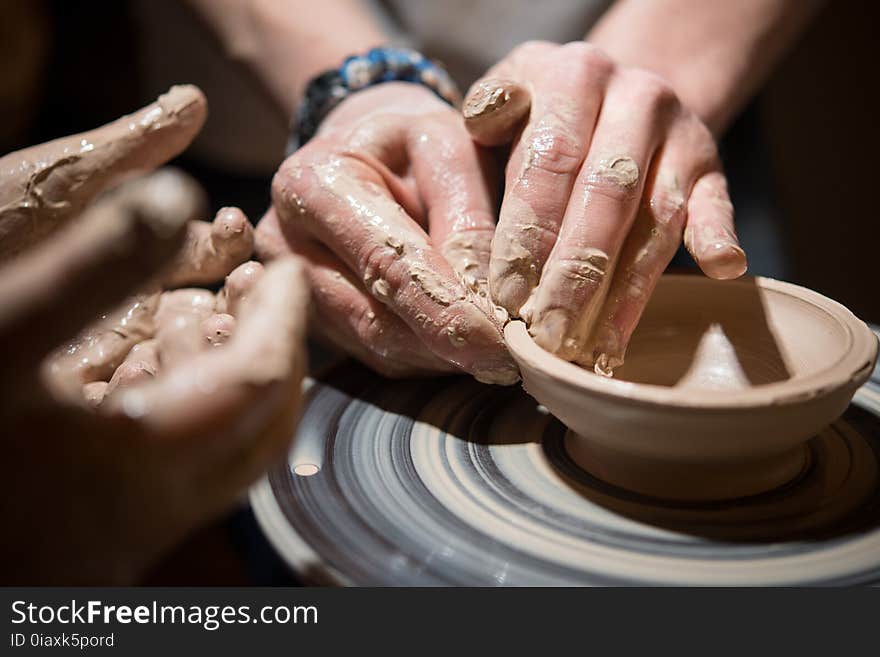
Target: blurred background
801 158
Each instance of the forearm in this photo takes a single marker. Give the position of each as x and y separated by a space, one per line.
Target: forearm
715 54
286 42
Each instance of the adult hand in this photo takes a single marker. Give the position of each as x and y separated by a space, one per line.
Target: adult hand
100 482
607 171
390 206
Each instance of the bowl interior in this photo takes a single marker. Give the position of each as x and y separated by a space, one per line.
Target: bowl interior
722 335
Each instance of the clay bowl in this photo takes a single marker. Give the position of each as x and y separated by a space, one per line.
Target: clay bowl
723 385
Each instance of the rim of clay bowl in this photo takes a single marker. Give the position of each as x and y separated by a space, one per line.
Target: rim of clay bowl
852 368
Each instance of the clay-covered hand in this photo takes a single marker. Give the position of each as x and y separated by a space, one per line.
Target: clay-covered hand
391 207
139 431
607 171
44 186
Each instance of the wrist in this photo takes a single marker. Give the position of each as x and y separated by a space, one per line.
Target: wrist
706 88
287 42
714 54
357 73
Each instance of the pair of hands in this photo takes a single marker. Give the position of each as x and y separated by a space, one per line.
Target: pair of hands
393 207
136 430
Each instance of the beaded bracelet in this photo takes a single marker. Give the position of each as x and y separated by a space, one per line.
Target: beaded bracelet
327 90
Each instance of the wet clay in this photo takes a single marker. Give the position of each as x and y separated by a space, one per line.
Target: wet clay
468 254
723 383
493 108
622 171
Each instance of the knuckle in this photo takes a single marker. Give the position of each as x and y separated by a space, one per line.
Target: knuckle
615 178
590 59
289 190
585 269
552 151
702 147
654 93
532 48
668 210
638 284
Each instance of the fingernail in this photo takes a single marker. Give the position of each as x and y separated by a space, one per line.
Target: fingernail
724 260
549 330
485 97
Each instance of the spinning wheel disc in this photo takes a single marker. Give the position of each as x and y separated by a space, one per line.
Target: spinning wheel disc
448 481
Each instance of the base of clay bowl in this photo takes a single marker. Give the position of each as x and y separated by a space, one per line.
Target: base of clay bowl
687 482
724 383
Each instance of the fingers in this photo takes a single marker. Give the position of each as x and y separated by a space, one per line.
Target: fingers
217 329
50 294
542 170
44 185
269 241
140 365
454 180
650 246
685 158
578 273
232 395
345 204
238 285
349 318
179 317
212 250
93 393
494 110
710 235
95 353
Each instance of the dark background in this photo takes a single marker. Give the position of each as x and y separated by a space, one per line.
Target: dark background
801 161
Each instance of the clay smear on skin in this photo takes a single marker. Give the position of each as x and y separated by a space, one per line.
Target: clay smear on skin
468 254
603 352
100 349
31 208
558 329
487 97
513 265
390 226
621 171
179 323
182 321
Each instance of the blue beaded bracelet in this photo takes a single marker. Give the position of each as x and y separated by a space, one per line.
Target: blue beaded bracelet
327 90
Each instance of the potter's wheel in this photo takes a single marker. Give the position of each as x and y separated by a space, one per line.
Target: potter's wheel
448 481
